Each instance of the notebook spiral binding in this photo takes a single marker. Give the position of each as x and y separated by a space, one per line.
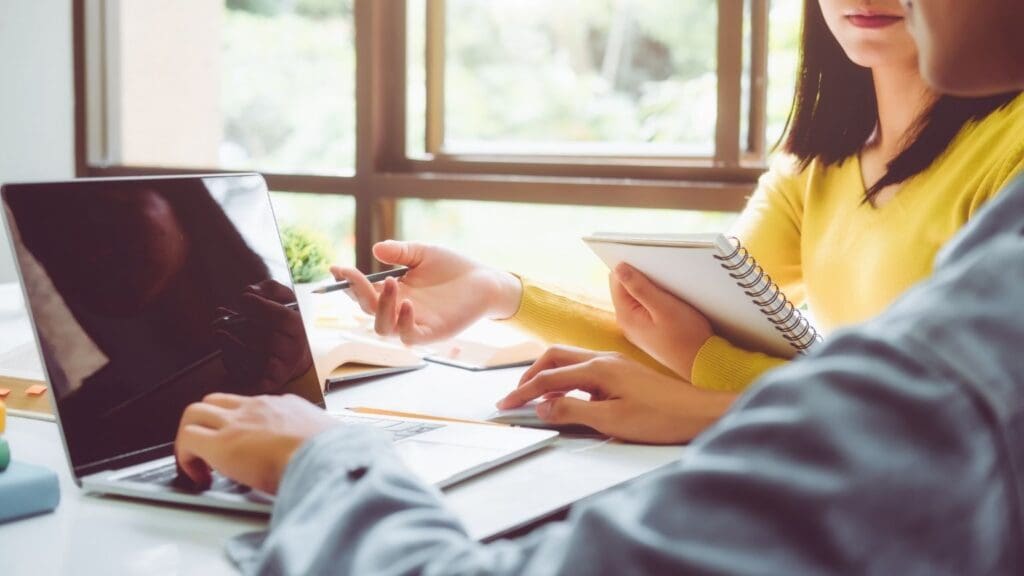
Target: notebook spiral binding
768 297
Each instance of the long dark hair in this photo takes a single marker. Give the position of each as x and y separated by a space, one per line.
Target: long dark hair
835 111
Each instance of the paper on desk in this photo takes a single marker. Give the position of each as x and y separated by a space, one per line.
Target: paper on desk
18 355
22 361
485 344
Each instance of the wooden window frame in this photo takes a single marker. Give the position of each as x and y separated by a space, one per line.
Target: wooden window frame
385 173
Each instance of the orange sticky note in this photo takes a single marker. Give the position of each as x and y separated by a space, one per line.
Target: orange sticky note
36 390
4 392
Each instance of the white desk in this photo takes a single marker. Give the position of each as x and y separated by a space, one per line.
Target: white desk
101 535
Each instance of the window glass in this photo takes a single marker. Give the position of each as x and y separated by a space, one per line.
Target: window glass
247 84
542 241
331 217
783 54
416 77
581 76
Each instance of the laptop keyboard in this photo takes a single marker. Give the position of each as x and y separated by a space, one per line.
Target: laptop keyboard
168 475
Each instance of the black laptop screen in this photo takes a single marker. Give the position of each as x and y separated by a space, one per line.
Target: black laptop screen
146 295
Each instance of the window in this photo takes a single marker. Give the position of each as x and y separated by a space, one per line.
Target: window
512 235
331 215
446 120
580 76
250 85
783 57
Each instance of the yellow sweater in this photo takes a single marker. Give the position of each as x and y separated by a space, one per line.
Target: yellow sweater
811 232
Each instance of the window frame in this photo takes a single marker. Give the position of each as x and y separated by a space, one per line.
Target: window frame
384 173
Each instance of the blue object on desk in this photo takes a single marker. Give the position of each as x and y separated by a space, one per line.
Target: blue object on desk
27 490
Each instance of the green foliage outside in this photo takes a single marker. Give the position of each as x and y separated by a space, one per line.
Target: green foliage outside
620 71
308 252
541 72
288 94
308 8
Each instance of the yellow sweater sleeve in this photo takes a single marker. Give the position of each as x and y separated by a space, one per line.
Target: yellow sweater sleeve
769 228
561 319
721 366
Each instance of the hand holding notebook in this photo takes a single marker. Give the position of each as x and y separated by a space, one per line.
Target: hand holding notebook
718 277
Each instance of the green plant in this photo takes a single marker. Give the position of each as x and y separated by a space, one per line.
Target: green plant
308 252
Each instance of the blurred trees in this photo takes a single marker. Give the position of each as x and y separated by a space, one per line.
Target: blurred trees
541 74
631 71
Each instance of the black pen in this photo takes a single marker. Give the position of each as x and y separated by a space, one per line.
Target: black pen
344 284
236 319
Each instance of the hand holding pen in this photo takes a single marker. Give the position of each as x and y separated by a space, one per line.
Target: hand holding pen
441 293
376 277
264 341
229 318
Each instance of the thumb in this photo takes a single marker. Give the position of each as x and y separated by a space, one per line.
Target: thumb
401 253
622 300
649 295
569 410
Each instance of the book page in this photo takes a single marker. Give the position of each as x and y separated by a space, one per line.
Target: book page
484 345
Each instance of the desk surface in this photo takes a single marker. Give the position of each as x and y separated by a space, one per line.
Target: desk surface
92 534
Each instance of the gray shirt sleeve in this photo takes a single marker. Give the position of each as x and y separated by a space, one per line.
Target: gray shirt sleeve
893 450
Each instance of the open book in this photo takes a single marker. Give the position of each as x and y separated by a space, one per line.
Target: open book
343 357
483 346
486 345
721 279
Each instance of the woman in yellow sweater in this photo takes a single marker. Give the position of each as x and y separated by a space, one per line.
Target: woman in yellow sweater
879 173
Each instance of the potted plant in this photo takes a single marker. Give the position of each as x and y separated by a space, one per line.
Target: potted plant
309 256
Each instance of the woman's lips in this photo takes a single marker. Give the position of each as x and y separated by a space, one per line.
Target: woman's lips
873 20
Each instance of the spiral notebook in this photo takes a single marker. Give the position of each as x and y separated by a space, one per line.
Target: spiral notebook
720 278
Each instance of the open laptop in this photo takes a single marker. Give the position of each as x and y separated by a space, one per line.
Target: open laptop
146 294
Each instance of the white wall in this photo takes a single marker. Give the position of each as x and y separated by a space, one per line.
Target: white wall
36 97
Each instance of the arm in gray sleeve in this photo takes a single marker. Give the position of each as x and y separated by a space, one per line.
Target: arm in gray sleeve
892 451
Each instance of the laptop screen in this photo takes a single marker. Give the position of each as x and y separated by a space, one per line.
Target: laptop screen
148 294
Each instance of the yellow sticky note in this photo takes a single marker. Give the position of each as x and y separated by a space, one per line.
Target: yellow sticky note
3 417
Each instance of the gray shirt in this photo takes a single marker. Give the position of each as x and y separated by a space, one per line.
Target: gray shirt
897 448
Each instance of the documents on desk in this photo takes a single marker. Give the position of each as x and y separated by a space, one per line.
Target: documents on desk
22 362
20 366
344 357
485 345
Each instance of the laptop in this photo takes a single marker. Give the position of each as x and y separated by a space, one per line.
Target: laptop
146 294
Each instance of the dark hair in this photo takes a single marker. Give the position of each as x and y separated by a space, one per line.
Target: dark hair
835 111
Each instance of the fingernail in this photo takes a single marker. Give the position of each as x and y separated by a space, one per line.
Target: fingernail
501 403
544 409
624 271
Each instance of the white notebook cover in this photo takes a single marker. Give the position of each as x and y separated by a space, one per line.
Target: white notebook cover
685 265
